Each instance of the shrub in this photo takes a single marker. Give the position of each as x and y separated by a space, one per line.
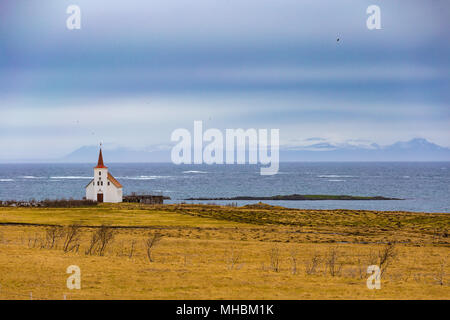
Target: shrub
150 242
100 240
72 238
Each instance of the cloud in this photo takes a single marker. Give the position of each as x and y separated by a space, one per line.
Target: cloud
138 70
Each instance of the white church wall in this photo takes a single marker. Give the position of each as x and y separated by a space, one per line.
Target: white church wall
90 192
113 194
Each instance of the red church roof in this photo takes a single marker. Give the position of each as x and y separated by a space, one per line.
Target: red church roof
114 181
100 161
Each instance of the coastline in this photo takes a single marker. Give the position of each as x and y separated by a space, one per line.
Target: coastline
299 197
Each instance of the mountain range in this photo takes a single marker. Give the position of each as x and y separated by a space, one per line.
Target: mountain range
313 149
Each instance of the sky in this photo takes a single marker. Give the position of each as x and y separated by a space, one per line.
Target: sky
138 70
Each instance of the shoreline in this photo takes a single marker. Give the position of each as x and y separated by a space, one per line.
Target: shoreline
296 197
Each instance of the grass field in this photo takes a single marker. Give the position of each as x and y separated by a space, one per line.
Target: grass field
220 252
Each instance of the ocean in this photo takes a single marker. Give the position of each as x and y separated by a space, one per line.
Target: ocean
425 186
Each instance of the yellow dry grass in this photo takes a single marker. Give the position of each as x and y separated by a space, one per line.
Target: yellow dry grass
214 252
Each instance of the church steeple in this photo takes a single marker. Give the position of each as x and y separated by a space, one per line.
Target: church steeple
104 187
100 160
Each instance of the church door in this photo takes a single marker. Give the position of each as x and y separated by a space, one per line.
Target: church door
99 197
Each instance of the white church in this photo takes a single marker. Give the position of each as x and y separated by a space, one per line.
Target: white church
104 187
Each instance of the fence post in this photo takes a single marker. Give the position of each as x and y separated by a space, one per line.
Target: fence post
31 295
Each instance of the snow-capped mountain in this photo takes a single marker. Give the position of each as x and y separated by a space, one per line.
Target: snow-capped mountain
312 149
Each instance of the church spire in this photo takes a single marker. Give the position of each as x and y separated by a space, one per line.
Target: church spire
100 160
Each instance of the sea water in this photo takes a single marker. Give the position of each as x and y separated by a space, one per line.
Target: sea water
425 186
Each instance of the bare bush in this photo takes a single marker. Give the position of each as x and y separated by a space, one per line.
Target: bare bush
100 240
233 259
293 258
52 235
106 235
361 269
36 241
72 238
312 265
93 244
440 275
150 242
275 259
29 242
132 249
386 256
331 262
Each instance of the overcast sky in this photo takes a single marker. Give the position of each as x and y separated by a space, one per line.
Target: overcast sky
137 70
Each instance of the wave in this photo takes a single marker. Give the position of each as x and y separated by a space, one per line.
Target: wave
145 177
335 176
71 177
30 177
336 180
6 180
194 171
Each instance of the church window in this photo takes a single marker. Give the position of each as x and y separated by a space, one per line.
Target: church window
99 173
108 183
98 183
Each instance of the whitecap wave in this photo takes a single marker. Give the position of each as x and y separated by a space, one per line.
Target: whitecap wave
30 177
335 176
144 177
336 180
194 171
6 180
71 177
